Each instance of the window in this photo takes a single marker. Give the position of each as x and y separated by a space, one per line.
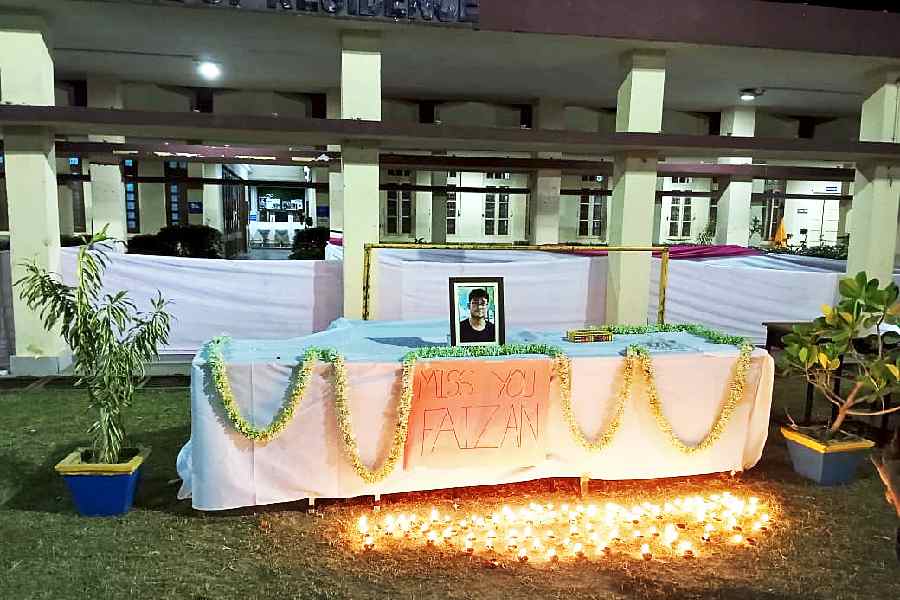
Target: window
681 180
132 212
176 193
496 213
498 175
398 172
680 218
399 212
451 213
592 216
4 208
592 178
713 213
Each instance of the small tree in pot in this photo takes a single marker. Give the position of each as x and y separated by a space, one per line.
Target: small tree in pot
111 341
850 359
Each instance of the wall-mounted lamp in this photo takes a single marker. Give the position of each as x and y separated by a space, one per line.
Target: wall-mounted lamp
208 70
751 94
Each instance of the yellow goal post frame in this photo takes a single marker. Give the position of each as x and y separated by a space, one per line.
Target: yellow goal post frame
663 251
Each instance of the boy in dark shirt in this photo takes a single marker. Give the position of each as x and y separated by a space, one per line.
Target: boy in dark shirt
477 328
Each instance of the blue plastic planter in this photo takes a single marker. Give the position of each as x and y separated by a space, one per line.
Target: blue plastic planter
102 490
833 464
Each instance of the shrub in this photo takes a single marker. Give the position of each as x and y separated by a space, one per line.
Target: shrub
838 252
192 241
309 244
144 244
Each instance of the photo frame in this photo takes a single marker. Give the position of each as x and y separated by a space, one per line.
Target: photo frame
477 311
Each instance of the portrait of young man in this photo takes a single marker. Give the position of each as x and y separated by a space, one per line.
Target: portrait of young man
477 328
476 311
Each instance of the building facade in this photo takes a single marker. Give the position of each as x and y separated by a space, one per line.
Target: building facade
491 121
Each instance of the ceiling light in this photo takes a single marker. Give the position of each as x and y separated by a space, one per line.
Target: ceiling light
208 70
751 94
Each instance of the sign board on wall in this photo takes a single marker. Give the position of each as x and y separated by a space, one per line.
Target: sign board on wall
471 413
434 11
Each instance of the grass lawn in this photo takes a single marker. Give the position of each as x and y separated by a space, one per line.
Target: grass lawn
826 543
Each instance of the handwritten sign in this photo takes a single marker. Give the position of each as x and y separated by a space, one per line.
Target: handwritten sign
468 413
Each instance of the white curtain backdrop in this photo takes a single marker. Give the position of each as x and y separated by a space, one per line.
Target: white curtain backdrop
546 291
258 299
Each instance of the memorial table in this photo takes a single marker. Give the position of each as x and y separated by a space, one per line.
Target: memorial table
222 469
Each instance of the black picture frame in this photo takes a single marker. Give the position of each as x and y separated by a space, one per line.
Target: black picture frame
461 287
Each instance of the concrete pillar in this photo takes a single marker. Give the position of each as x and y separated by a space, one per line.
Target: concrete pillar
66 211
107 187
733 214
322 198
335 174
66 202
26 77
639 109
152 197
195 195
423 226
544 199
360 99
876 189
213 208
439 209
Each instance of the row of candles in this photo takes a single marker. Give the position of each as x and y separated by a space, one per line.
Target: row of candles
550 532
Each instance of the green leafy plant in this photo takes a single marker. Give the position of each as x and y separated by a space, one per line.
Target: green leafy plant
755 226
846 346
111 340
708 236
838 252
309 243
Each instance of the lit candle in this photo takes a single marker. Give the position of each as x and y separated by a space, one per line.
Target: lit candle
363 525
368 542
685 549
523 555
551 555
578 550
645 552
737 538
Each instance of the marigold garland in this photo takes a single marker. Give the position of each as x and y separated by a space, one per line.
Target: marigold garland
635 356
345 424
565 393
285 413
735 394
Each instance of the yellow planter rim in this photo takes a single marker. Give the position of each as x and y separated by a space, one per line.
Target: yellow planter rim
72 465
812 444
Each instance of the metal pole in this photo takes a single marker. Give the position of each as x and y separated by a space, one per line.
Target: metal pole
367 261
663 285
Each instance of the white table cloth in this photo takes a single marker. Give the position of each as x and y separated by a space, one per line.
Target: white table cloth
223 470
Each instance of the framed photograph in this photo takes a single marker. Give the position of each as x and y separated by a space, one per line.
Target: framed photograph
477 316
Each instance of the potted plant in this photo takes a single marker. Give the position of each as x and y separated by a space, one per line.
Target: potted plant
111 342
848 356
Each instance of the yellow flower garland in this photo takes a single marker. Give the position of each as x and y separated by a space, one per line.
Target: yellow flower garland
735 394
635 357
342 408
233 412
563 369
